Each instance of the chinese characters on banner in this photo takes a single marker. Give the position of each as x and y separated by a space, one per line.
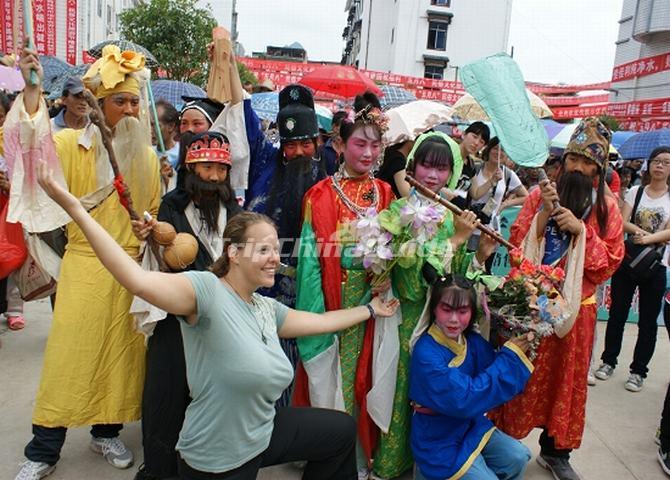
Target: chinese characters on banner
296 70
641 67
44 26
578 112
659 107
638 125
71 32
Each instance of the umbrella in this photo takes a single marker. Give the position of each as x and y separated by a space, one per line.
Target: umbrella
395 96
55 87
562 138
53 68
340 80
324 117
11 79
410 120
620 137
552 127
467 107
266 106
96 51
172 91
642 144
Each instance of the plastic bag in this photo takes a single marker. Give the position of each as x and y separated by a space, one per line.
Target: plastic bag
12 245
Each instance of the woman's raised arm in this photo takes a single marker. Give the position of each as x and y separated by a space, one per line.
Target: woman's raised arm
168 291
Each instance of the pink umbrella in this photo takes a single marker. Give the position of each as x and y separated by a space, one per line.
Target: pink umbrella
11 79
341 80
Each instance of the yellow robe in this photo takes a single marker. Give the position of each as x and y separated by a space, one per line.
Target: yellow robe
94 360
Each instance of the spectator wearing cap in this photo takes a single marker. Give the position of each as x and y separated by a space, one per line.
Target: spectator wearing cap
75 109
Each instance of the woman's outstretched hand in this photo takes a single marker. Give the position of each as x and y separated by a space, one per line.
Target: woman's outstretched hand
55 190
384 309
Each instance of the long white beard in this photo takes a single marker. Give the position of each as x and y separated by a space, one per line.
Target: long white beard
131 143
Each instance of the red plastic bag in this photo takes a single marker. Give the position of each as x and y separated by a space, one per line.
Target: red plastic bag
13 250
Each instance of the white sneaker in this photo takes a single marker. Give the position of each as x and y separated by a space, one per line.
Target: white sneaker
34 470
363 474
634 383
114 451
591 379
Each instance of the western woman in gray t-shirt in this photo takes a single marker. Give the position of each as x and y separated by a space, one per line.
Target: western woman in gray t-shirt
236 368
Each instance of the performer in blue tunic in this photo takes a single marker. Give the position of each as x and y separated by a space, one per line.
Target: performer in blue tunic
455 378
278 180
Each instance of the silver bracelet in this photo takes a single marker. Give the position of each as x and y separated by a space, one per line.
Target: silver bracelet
372 311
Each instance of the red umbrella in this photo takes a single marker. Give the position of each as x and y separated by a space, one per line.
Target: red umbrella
341 80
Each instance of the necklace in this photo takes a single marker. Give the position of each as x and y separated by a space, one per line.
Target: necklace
251 305
373 195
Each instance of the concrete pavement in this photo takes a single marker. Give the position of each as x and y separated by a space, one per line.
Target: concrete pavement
618 442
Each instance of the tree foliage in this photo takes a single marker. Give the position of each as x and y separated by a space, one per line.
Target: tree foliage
176 32
610 122
246 75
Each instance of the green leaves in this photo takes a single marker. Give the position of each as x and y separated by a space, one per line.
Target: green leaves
176 32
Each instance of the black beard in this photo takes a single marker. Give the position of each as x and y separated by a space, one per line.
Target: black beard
208 197
575 191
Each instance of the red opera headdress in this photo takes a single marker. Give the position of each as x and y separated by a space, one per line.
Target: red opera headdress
209 147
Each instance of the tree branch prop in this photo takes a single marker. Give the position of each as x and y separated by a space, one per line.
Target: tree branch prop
98 119
457 211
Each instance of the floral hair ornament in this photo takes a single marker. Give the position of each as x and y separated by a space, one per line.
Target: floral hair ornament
371 115
208 147
111 71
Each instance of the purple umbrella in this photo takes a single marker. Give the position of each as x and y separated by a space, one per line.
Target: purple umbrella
11 79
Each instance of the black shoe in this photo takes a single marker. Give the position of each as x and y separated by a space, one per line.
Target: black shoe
143 475
558 466
664 460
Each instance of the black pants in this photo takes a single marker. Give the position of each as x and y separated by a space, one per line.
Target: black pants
47 442
548 447
326 439
665 422
165 398
651 295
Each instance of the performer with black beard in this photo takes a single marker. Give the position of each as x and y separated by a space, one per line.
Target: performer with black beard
201 207
583 235
278 180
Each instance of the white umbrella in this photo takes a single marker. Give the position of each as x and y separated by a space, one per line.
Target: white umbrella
410 120
467 108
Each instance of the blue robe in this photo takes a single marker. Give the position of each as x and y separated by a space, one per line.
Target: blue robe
455 385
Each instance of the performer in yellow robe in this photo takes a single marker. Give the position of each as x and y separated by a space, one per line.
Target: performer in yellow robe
94 359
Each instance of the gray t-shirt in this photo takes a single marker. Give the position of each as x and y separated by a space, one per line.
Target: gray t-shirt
236 370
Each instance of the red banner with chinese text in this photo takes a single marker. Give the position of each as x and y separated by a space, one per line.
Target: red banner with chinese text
578 112
641 67
44 25
572 100
71 32
659 107
637 125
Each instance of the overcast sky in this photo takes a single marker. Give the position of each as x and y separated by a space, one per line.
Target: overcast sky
569 41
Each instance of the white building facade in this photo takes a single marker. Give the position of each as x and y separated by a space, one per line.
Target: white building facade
424 38
640 89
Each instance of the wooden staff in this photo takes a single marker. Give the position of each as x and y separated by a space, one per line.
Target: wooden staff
98 119
457 211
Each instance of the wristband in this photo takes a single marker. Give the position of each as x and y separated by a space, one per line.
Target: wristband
372 311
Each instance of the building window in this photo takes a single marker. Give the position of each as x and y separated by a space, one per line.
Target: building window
436 72
441 3
437 35
100 8
392 34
